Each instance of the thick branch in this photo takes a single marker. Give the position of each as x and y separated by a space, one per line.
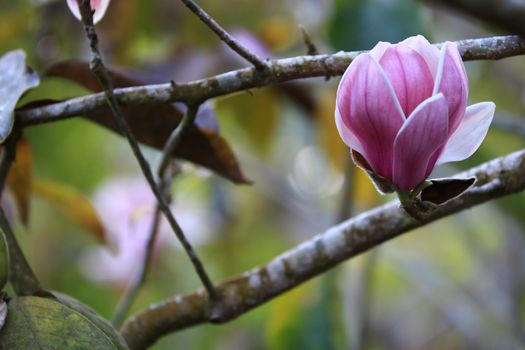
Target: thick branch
277 71
496 178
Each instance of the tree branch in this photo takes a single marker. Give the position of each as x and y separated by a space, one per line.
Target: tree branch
277 71
100 71
165 183
224 35
499 177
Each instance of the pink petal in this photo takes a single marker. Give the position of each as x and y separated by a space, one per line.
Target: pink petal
409 75
346 134
424 132
470 133
370 111
451 81
429 52
100 7
378 50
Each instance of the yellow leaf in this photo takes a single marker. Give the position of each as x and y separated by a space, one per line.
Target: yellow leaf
20 178
73 204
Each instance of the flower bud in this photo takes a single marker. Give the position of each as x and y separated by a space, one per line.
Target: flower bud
99 6
403 109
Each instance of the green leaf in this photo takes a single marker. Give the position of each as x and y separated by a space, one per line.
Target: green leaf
44 323
90 314
15 79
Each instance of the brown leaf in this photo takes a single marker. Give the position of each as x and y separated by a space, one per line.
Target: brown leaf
153 124
20 178
443 190
73 204
382 185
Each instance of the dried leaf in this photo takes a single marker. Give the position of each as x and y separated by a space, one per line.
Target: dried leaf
443 190
382 185
20 178
153 124
45 323
73 204
15 79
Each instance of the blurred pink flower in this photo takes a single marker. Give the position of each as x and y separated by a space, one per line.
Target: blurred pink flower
126 207
100 7
403 108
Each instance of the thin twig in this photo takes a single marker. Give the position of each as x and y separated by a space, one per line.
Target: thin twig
279 71
224 35
167 155
131 293
102 75
175 138
497 178
310 46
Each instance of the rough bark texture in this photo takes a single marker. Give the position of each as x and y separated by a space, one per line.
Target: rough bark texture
277 71
499 177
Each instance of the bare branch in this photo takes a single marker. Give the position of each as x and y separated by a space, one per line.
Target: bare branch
311 48
278 71
98 68
224 35
499 177
165 181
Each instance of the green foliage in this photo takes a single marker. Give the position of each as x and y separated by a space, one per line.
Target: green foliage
40 323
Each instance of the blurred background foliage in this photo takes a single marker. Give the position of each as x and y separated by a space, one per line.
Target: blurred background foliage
456 284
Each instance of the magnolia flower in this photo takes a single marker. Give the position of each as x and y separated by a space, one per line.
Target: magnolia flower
99 6
402 108
126 207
